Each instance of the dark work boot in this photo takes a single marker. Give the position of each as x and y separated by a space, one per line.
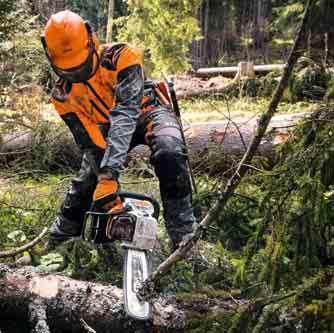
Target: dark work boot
179 217
62 230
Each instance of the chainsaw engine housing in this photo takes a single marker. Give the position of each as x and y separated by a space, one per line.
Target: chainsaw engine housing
134 226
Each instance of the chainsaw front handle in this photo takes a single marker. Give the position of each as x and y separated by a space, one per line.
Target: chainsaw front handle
139 196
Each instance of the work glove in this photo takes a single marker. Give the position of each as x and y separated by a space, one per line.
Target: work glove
104 195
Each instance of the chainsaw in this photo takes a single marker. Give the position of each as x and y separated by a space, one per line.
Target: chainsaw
136 227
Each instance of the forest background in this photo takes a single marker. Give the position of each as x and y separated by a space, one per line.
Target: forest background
271 254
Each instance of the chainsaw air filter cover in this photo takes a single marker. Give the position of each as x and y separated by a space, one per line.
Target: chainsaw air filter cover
103 228
121 227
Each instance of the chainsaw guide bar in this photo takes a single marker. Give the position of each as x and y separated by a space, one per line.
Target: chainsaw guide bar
136 227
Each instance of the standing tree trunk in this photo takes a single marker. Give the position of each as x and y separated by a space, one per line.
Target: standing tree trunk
326 50
258 25
60 5
206 33
309 44
46 8
111 9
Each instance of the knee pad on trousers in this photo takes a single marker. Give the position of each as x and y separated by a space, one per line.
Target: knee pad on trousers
169 160
167 148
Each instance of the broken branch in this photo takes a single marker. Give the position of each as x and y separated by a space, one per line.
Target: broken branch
14 252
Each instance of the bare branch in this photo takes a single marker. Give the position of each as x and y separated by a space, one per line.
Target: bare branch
14 252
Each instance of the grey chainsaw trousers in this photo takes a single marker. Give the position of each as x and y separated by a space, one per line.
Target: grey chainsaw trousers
160 130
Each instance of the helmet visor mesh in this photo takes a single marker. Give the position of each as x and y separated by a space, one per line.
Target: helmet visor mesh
81 73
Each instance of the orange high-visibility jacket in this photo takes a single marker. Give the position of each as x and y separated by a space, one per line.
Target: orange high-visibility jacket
85 105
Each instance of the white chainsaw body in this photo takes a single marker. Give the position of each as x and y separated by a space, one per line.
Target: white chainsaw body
136 267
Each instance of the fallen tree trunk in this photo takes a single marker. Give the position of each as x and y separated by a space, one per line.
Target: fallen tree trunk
202 85
229 137
208 91
60 304
231 71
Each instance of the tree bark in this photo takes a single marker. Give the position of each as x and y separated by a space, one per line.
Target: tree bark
206 32
65 305
191 92
325 61
46 8
111 9
230 137
60 5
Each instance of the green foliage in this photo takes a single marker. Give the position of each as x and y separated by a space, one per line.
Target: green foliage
329 96
21 62
214 322
268 84
182 278
297 207
51 147
51 262
7 18
163 29
96 12
92 10
17 236
26 206
289 234
25 63
309 83
287 17
308 308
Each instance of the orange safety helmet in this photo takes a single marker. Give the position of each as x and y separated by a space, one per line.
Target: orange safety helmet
70 45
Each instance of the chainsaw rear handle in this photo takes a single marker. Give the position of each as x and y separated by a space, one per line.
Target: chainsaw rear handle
129 195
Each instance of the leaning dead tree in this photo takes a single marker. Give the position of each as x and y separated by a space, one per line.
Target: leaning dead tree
216 212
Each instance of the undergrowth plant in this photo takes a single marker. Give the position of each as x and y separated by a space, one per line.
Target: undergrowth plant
26 206
294 235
